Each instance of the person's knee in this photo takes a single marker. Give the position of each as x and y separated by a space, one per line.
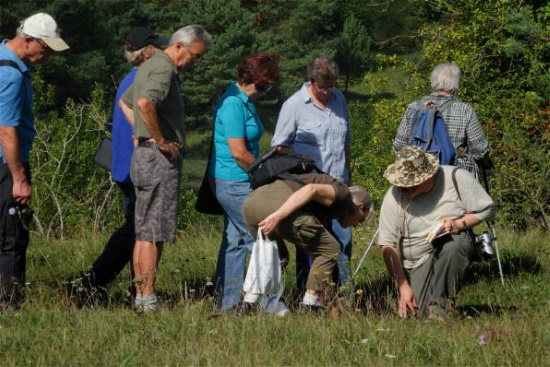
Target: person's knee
460 245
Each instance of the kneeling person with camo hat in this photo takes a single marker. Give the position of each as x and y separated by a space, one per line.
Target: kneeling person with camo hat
424 230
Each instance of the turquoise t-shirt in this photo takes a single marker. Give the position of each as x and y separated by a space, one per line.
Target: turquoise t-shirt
235 117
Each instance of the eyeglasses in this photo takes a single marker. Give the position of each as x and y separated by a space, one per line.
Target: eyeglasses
195 57
263 88
43 44
323 87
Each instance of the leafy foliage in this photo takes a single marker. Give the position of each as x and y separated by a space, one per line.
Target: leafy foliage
502 50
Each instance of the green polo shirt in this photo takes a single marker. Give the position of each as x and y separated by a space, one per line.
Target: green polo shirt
157 81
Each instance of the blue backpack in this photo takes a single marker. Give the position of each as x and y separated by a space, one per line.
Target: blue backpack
429 132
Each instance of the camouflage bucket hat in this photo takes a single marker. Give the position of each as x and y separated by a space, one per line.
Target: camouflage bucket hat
412 167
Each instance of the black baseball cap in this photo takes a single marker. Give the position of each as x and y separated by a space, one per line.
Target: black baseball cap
140 37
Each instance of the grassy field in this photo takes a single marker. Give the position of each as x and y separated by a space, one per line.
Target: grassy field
497 325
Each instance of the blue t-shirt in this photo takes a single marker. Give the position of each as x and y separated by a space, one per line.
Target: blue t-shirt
16 101
122 143
235 117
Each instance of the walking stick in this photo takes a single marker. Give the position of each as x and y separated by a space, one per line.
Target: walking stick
493 231
366 251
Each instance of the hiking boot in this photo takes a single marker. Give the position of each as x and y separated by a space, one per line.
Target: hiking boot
83 293
438 313
245 308
305 309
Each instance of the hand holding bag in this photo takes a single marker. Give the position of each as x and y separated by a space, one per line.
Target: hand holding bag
264 274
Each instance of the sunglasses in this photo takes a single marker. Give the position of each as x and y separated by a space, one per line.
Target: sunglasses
263 88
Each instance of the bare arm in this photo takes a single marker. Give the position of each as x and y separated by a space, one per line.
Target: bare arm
127 111
148 113
321 193
21 191
407 300
238 150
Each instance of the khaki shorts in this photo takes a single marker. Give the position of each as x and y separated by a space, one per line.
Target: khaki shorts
157 183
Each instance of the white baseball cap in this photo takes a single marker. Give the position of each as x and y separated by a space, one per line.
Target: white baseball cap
44 27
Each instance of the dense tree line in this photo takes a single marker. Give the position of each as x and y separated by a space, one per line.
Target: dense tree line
501 47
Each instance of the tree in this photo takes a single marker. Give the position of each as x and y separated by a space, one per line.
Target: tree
353 50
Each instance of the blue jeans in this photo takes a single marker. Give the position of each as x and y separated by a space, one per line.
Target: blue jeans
236 244
345 274
345 278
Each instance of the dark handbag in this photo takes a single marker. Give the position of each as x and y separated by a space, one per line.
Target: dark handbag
207 203
104 154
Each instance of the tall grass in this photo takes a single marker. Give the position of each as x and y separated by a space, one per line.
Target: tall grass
497 325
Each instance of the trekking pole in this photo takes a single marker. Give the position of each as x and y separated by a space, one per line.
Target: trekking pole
366 251
491 225
494 236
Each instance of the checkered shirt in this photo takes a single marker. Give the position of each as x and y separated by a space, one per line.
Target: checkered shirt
462 124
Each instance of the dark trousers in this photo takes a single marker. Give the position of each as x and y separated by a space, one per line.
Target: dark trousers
438 281
120 247
14 240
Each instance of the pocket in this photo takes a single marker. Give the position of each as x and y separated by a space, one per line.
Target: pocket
310 131
142 168
16 234
306 228
311 124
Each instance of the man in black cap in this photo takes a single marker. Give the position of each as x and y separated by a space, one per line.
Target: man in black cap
141 44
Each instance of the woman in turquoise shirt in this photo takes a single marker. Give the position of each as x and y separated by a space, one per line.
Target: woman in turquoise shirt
237 132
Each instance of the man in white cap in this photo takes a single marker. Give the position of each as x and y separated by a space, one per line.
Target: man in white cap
425 223
36 38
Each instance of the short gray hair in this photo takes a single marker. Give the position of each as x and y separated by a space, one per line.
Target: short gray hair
19 32
445 77
360 196
323 69
191 34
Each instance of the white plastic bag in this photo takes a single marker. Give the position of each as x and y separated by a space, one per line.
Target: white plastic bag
264 274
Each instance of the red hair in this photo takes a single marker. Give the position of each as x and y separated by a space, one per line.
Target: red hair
258 68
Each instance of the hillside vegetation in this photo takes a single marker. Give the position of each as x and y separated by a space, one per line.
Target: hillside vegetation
502 48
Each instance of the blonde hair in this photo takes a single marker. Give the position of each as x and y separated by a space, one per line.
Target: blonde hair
137 57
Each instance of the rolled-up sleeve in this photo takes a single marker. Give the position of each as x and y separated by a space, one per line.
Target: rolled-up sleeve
475 199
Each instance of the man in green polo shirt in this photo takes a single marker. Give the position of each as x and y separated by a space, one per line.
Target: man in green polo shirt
154 105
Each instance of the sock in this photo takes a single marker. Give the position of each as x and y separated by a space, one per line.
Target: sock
311 299
150 302
146 302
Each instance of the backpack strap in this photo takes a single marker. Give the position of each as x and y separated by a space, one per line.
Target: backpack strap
445 105
11 63
290 177
455 183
